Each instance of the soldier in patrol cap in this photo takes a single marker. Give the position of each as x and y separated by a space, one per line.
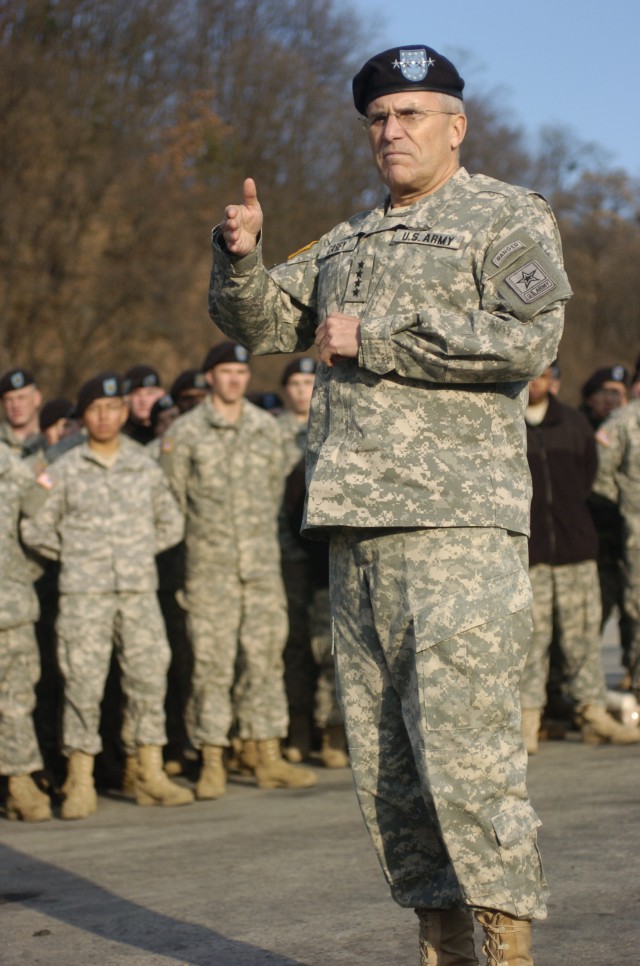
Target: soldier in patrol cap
21 401
104 510
431 313
224 461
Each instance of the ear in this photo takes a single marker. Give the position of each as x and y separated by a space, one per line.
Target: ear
208 376
458 130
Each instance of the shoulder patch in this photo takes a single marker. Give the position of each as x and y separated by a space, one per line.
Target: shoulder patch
166 446
530 282
602 438
305 248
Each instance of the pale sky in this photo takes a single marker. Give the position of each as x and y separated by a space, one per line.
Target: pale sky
573 62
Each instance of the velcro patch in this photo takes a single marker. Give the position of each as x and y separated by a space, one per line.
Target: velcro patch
439 239
507 250
344 245
166 446
530 282
602 438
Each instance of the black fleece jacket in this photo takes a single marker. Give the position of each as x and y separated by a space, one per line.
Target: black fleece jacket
563 461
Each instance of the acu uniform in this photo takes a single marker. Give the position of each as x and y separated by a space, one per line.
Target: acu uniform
105 522
416 465
19 661
618 481
228 479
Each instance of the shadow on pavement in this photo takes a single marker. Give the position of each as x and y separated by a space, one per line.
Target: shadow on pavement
82 904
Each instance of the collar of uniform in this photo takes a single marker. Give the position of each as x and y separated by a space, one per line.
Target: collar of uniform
215 418
127 447
425 212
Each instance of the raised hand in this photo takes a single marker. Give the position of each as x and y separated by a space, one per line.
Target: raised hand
242 224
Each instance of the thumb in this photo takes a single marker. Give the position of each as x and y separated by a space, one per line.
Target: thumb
250 193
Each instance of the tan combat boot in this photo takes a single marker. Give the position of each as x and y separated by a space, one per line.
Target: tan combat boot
446 937
129 775
212 782
26 801
530 727
600 728
272 771
80 799
507 940
334 752
153 787
248 757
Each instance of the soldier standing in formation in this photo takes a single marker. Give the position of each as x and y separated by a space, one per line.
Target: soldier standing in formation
563 549
19 660
309 665
105 510
431 314
225 465
21 401
618 482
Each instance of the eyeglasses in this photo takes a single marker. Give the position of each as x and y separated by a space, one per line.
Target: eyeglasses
407 118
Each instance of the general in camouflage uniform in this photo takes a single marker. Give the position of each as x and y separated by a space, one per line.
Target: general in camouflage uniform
105 511
431 314
19 661
618 481
224 461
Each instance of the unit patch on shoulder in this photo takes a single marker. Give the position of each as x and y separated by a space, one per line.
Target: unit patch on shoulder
507 250
530 282
305 248
166 446
602 438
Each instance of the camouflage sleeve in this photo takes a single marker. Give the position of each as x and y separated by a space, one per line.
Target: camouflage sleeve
266 312
174 460
43 509
278 468
168 520
611 440
514 331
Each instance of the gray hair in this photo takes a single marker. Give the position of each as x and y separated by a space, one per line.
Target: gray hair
451 104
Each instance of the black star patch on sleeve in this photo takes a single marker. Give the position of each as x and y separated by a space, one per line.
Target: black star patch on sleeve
530 282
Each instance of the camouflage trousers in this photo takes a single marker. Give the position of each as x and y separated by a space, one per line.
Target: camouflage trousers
326 709
632 607
19 674
309 670
431 629
89 626
299 665
565 599
238 631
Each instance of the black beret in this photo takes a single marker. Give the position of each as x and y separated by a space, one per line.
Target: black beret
139 377
107 385
306 365
405 69
54 410
225 352
16 379
160 405
189 379
598 378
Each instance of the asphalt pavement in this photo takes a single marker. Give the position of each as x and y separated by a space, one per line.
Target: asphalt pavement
289 878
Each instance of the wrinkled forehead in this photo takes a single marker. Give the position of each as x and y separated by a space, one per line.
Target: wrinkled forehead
421 100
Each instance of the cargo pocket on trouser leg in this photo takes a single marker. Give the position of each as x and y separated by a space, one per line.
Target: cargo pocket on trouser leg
466 665
516 834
